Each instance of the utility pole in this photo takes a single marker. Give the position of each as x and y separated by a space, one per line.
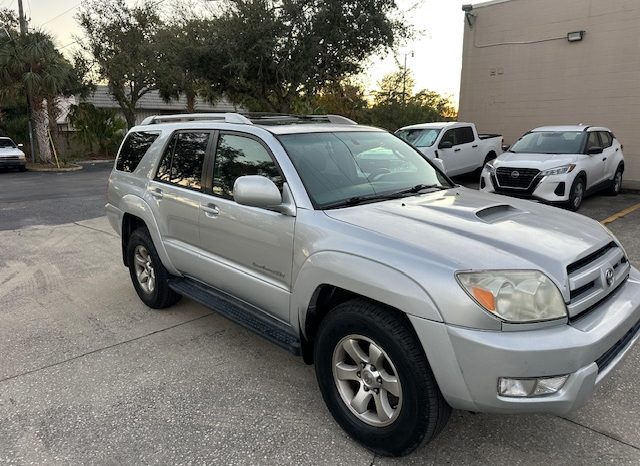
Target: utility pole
404 79
23 31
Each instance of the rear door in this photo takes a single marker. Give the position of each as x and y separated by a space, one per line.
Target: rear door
175 194
594 164
608 155
248 250
466 149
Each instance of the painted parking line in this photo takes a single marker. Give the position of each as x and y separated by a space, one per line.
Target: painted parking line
620 214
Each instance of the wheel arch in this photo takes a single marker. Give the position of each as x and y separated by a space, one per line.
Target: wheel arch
328 279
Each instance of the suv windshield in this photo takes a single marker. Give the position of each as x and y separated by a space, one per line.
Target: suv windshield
5 143
422 137
550 142
346 168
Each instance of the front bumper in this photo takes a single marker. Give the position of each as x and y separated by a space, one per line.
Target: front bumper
467 362
12 163
553 188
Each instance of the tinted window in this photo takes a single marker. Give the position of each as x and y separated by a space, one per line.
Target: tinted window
133 149
335 167
183 159
606 138
239 156
464 135
450 136
550 142
593 140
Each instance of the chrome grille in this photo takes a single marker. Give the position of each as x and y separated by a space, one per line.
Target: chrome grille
519 178
10 157
588 281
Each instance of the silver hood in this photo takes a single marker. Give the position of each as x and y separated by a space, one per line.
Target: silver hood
468 229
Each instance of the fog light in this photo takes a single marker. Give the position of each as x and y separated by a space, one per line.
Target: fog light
530 387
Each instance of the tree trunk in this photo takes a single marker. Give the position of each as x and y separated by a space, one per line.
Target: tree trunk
191 102
130 116
39 115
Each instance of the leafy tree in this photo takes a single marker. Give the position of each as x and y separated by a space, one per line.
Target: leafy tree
97 126
392 109
268 54
121 41
31 63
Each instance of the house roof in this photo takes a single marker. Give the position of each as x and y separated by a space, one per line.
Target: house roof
102 98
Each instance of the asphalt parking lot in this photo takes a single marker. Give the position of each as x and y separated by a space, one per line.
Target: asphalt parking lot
89 375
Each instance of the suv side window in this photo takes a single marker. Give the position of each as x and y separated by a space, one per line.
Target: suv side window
593 140
135 146
239 156
606 138
183 158
464 135
449 135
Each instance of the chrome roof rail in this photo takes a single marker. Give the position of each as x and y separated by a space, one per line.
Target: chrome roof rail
226 117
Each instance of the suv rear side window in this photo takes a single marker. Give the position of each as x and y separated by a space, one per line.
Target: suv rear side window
464 135
183 158
239 156
606 138
133 149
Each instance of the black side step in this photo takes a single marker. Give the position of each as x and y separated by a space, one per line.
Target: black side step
238 311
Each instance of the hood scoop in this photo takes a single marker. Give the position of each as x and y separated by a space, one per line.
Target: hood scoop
498 213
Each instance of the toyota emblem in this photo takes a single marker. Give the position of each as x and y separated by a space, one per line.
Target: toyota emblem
515 174
608 276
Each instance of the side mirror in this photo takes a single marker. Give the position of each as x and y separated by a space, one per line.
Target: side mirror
595 150
445 145
256 191
440 164
20 146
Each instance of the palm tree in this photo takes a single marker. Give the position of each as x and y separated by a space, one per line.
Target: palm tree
31 63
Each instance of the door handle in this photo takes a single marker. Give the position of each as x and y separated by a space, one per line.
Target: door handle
157 193
456 150
617 149
210 210
474 146
604 158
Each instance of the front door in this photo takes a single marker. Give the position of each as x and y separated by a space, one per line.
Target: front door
248 250
594 166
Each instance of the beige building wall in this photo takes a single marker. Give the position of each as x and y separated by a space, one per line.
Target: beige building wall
519 71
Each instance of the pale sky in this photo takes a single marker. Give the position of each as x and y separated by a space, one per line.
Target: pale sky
437 50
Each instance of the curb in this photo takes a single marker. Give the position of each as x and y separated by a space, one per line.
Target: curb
73 168
86 162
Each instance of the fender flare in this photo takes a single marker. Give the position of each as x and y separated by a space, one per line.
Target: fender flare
138 207
363 276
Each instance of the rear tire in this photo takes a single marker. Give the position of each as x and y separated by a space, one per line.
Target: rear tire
576 195
149 277
616 182
390 418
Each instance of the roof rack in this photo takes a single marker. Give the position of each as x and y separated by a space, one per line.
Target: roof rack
250 118
226 117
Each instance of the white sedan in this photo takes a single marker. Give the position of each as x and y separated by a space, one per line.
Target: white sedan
558 164
11 156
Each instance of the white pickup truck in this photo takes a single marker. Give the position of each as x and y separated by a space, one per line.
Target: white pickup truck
457 144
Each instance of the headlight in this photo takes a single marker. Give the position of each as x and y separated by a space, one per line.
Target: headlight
559 170
515 295
489 167
21 156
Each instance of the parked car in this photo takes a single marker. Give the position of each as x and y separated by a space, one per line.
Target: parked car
11 155
343 244
558 164
459 145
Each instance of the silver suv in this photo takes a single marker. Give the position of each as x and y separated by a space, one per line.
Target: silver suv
342 243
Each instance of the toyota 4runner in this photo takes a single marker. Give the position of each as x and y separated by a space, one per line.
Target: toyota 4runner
342 243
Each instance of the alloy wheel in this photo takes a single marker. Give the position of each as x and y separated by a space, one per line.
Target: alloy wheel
144 269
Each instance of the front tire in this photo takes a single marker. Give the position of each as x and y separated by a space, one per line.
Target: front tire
375 378
576 195
149 277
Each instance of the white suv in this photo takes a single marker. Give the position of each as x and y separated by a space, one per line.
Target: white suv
558 164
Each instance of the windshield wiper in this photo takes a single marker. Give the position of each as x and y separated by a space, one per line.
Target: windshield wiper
419 189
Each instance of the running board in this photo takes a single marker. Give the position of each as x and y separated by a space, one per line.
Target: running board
239 312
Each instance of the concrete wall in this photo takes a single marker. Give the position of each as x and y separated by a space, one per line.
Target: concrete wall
510 88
